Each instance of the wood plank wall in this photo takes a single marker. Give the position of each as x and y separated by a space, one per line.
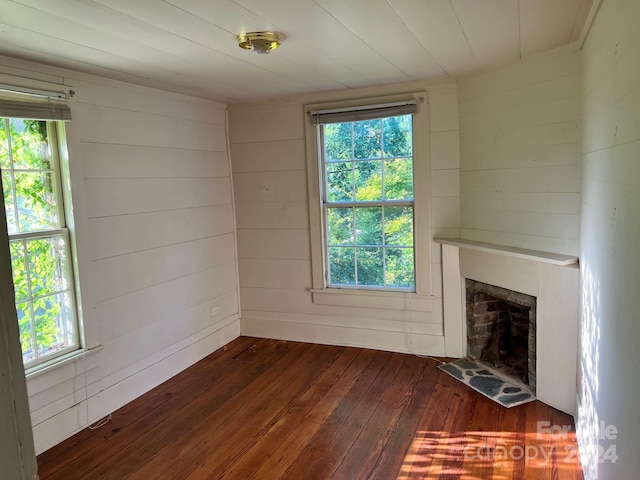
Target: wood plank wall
151 185
521 144
270 184
610 264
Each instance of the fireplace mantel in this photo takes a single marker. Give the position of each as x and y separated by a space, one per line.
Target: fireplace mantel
552 278
535 255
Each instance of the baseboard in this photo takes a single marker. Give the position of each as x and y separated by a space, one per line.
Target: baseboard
70 421
393 341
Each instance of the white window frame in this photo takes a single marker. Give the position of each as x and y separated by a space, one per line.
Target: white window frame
55 134
421 298
50 102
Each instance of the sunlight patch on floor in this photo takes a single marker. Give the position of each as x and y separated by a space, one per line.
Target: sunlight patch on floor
476 455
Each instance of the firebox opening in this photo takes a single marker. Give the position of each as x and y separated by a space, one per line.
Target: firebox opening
501 331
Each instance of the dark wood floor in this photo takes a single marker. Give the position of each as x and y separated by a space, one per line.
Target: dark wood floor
268 409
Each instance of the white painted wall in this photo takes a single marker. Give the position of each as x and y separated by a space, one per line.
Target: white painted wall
520 137
610 234
154 218
270 178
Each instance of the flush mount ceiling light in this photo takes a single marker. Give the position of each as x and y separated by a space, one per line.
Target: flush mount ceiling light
259 42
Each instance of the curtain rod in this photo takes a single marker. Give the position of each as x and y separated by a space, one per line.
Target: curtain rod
33 91
364 107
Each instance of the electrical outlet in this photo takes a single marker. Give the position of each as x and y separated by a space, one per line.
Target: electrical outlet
215 311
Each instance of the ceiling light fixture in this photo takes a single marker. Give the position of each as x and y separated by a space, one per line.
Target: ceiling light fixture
259 42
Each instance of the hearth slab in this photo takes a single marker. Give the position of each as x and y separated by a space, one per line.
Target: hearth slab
497 388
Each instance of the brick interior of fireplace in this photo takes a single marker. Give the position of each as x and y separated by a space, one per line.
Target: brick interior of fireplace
501 330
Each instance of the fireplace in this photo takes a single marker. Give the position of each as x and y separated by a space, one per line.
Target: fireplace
551 279
501 331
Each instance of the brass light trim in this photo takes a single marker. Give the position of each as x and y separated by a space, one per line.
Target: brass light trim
259 42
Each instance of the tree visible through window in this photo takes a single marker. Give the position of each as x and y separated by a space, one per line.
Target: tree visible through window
368 203
38 239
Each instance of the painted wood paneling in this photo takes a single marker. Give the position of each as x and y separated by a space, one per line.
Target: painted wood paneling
445 150
125 196
276 244
125 234
135 271
270 186
190 46
376 28
521 134
267 123
445 183
610 224
431 21
281 215
154 222
105 160
499 43
114 125
267 156
526 241
560 26
263 273
120 315
288 186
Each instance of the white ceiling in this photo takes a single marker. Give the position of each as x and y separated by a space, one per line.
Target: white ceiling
189 46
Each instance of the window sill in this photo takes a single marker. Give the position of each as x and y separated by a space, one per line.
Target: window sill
37 370
373 299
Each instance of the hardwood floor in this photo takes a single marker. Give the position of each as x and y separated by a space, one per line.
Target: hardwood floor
268 409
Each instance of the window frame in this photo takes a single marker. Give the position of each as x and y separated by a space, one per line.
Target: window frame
57 144
365 296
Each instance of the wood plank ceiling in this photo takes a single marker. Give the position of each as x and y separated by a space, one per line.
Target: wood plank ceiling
189 46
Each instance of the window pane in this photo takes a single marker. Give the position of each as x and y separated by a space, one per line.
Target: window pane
397 133
5 162
19 271
370 267
399 262
370 161
339 181
9 202
36 201
29 144
54 323
398 226
340 224
398 179
342 270
337 140
26 332
366 139
48 269
368 176
40 265
369 226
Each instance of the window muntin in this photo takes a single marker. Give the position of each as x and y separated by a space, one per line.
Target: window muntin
368 203
38 239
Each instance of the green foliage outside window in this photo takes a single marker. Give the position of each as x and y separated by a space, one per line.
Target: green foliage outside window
37 239
369 202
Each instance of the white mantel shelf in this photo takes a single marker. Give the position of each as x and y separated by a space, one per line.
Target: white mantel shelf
535 255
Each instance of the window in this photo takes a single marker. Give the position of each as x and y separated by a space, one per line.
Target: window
38 238
368 202
370 228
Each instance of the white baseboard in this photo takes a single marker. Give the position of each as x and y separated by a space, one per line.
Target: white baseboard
172 361
288 329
